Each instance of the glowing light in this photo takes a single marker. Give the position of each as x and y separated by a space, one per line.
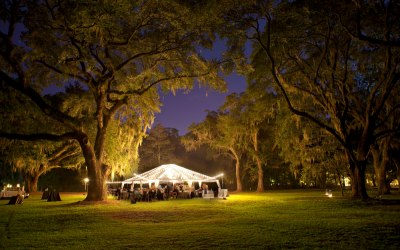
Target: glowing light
86 180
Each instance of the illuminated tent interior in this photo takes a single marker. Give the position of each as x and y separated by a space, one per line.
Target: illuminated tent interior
170 173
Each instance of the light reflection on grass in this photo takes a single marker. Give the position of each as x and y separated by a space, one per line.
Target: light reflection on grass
275 219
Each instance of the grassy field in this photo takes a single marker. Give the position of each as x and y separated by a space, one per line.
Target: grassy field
273 220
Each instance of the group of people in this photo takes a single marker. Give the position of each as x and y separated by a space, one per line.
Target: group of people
162 192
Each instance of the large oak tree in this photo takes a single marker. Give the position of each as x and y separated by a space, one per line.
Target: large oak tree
121 52
341 56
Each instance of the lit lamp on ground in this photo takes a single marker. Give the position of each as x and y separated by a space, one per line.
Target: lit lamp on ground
222 193
328 193
86 180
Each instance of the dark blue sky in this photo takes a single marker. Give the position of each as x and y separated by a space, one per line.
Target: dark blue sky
181 110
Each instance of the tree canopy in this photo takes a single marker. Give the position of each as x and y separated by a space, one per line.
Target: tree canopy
334 56
121 53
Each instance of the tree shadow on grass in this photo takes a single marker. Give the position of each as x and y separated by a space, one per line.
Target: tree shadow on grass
91 203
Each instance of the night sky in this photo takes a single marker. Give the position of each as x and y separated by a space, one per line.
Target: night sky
181 110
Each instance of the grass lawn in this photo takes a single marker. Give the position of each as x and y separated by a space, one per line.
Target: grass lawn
299 219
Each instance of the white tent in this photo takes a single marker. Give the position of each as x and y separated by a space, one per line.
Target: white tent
170 173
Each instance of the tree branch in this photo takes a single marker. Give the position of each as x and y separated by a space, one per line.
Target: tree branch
57 160
151 52
360 36
60 151
143 89
53 68
38 100
39 136
279 80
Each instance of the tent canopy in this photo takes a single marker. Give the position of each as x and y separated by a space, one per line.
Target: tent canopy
168 173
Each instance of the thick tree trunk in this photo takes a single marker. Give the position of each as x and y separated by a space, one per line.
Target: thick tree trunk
260 186
34 183
238 179
97 183
382 180
31 182
358 164
236 158
358 187
381 160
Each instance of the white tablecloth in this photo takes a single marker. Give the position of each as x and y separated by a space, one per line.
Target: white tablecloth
8 194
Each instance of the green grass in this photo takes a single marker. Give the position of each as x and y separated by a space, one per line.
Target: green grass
273 220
